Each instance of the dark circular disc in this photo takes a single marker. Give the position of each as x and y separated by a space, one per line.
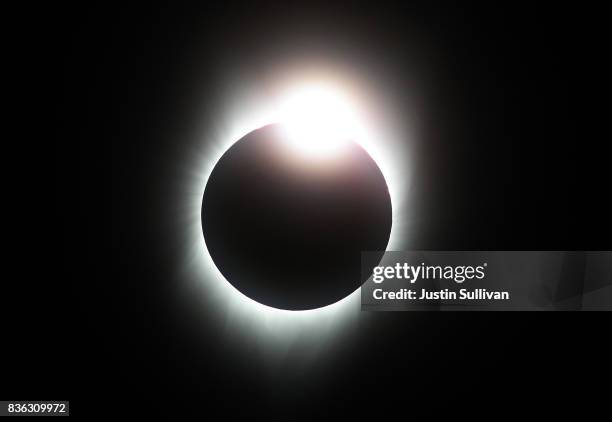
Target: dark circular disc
287 228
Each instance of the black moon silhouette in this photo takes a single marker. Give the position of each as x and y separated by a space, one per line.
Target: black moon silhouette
287 229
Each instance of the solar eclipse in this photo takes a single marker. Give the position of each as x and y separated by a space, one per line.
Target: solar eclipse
347 111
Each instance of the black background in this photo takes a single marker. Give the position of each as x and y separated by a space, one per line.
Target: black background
508 158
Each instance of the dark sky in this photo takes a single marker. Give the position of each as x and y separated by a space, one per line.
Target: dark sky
506 158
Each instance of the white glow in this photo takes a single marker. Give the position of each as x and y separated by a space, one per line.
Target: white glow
318 119
320 112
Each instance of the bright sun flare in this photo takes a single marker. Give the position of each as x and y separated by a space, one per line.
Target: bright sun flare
318 120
